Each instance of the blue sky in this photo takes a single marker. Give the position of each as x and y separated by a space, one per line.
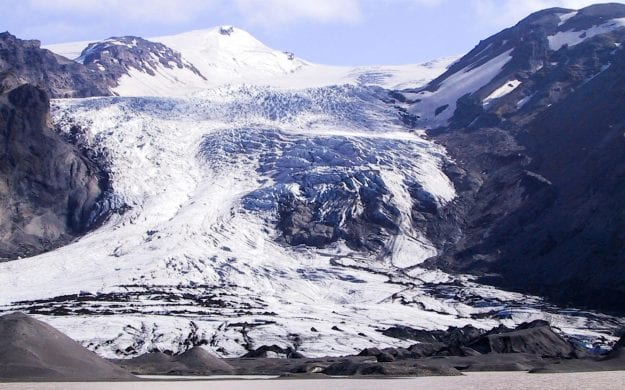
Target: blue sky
346 32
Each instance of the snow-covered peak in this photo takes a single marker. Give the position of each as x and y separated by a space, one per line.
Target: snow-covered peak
227 55
231 55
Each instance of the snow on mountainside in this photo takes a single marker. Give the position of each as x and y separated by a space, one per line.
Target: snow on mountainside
535 132
501 63
133 63
575 36
277 201
231 56
203 180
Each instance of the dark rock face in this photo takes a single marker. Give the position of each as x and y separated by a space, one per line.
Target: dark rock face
539 170
534 338
34 351
114 57
58 76
50 191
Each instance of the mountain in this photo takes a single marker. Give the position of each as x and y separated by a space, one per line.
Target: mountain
263 204
538 143
58 76
518 56
232 55
224 56
132 63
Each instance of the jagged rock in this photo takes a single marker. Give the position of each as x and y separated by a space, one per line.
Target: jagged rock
536 337
349 367
58 76
370 352
425 349
406 332
353 367
385 357
388 355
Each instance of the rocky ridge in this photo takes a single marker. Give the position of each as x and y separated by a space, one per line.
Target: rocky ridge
58 76
115 57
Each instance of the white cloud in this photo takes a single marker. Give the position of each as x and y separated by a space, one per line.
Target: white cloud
272 13
265 13
268 13
145 11
67 18
505 13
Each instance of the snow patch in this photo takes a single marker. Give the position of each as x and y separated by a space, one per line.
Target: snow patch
565 17
502 91
572 37
466 81
521 103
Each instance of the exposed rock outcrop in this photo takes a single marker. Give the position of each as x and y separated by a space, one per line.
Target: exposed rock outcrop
58 76
49 189
115 57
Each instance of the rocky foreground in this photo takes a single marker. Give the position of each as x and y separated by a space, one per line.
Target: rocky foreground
32 350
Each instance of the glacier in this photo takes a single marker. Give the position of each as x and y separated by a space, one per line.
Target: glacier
195 254
272 203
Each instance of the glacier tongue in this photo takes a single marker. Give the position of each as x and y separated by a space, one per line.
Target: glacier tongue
207 254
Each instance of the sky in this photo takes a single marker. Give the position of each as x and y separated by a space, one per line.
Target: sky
338 32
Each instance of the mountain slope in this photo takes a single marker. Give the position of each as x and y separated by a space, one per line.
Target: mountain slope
498 65
132 63
232 55
538 151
